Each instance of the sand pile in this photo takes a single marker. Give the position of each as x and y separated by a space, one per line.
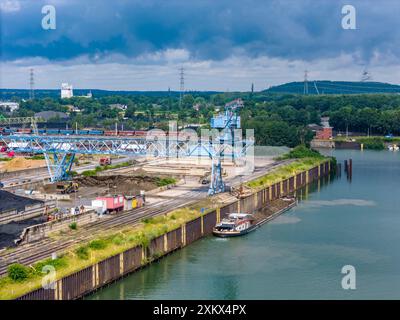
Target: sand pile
21 164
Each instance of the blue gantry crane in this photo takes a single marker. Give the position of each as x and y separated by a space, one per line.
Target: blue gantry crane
60 151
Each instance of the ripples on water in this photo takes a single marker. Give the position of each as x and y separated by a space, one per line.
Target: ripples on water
300 254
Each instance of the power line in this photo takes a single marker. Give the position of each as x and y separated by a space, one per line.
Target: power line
31 84
305 82
366 76
316 88
358 87
182 85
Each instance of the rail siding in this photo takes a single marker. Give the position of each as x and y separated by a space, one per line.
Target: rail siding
94 277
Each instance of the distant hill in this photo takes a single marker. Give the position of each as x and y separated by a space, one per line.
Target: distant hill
336 87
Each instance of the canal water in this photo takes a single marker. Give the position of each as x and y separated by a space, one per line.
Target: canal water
300 254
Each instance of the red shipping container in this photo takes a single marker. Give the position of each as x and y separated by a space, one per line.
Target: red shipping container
113 202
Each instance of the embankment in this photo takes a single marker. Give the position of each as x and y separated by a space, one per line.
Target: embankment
97 275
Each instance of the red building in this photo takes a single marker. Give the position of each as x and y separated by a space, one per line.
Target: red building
324 134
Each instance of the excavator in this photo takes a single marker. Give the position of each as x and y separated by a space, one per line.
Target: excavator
67 187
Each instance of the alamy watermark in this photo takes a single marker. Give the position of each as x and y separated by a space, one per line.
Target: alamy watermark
49 20
349 280
349 18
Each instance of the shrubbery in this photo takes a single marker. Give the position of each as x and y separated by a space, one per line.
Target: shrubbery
82 253
18 272
161 182
97 244
73 226
301 152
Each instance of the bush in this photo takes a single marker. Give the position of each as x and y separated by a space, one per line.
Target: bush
89 173
373 144
82 253
300 152
18 272
97 244
73 226
56 263
165 181
118 240
36 157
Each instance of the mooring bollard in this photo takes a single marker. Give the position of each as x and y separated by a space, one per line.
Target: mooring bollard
350 168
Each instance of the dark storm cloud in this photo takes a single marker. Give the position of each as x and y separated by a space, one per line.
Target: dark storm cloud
297 29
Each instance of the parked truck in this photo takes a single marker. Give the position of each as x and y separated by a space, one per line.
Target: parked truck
105 161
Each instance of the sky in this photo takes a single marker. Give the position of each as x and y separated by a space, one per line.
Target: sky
223 45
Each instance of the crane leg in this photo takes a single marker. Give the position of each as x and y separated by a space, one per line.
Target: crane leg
59 165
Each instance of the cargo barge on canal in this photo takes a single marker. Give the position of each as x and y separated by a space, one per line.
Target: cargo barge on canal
238 224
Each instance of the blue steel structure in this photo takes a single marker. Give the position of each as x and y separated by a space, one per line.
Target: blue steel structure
60 151
227 122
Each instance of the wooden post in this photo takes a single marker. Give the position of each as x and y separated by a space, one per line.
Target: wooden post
184 234
165 242
58 290
121 263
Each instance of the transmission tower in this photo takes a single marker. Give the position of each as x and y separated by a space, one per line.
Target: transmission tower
182 85
305 82
366 76
31 84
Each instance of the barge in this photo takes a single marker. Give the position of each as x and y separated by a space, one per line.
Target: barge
238 224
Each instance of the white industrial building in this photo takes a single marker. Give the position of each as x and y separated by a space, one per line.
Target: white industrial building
66 91
9 106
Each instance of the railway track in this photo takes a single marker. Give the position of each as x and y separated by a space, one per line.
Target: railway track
31 253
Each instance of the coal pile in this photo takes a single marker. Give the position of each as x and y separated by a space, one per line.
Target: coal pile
11 231
119 183
10 201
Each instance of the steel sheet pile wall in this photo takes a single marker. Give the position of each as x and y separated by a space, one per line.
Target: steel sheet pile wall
273 192
174 239
260 201
132 259
285 187
193 230
39 294
224 211
278 190
312 174
77 284
291 184
326 171
247 204
86 280
209 221
109 269
156 247
267 198
299 180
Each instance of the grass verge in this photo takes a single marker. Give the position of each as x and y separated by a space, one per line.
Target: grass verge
23 279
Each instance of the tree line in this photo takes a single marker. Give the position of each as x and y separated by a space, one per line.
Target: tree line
277 118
